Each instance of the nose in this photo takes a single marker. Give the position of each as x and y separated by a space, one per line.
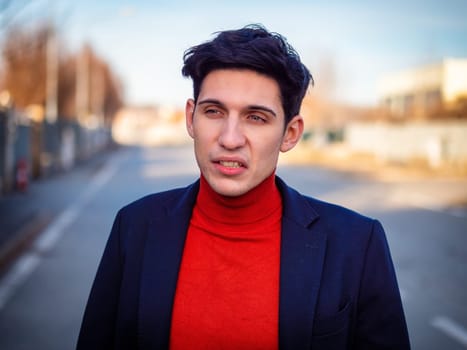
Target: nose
231 135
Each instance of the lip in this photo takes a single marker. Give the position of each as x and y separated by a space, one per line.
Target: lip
230 165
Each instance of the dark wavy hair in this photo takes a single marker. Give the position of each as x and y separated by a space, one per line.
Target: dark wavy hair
255 48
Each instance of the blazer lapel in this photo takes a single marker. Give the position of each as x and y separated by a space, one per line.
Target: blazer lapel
162 257
302 258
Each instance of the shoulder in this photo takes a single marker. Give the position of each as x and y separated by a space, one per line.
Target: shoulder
338 214
294 200
336 220
133 221
161 203
346 225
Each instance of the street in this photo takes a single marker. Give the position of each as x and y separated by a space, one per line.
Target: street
44 291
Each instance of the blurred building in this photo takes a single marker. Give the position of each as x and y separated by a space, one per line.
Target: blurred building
426 92
149 126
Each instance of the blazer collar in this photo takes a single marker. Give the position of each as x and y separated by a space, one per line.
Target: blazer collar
162 257
302 257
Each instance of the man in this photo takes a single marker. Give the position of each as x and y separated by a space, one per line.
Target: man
239 260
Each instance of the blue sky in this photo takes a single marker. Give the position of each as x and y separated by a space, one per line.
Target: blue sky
347 45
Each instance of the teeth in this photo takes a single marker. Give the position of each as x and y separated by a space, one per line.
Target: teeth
230 164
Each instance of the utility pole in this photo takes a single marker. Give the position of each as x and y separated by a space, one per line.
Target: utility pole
51 108
82 84
98 93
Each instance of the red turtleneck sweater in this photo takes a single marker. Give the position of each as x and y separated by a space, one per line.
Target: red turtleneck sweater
227 293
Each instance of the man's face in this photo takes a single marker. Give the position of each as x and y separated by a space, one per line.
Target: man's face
238 129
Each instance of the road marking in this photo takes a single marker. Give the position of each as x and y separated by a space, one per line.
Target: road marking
425 202
28 262
17 275
457 212
55 230
451 329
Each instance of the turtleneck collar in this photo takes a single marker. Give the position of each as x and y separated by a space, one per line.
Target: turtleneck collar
252 207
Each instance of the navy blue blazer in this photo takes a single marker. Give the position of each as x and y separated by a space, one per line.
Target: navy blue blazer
338 288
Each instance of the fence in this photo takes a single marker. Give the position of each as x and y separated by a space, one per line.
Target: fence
41 149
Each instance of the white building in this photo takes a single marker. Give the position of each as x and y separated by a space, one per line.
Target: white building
431 90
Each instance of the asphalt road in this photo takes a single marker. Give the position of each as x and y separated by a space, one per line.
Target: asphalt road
43 293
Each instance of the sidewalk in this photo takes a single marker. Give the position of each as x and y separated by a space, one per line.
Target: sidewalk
439 189
23 215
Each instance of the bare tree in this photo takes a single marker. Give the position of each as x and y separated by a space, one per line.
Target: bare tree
24 55
81 84
67 88
113 98
98 90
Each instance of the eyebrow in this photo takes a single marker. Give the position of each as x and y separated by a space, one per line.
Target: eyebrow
249 107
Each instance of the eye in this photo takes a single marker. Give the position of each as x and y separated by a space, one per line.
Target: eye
257 118
212 112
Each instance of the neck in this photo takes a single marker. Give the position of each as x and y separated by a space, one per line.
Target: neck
250 207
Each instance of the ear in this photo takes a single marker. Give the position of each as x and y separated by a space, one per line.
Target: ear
189 113
293 133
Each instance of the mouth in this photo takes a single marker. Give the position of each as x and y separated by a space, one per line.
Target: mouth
230 164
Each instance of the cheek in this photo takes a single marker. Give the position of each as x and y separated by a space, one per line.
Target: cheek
201 138
268 151
202 142
205 130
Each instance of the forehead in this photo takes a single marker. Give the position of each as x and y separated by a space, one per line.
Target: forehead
241 86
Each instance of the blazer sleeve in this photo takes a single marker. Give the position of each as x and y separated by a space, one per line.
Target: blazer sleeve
99 320
380 318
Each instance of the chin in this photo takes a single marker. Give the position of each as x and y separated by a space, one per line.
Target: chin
227 189
229 192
